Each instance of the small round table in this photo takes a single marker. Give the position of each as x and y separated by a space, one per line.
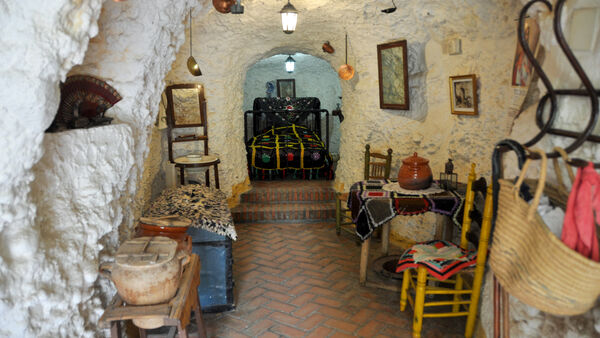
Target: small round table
194 161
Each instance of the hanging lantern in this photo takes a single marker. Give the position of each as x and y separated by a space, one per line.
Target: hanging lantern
289 17
290 64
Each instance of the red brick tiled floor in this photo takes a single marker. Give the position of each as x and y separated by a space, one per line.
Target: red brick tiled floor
301 280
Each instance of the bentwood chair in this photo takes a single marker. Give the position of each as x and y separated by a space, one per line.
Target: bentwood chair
377 166
451 266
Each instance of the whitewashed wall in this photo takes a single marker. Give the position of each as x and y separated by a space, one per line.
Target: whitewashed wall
82 195
313 76
41 42
228 45
573 114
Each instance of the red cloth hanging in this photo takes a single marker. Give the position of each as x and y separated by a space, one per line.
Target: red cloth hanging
579 230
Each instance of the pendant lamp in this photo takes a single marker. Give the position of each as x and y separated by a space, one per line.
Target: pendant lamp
192 65
289 17
290 64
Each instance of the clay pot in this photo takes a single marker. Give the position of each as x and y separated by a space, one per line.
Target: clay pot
146 270
174 227
223 6
327 48
415 173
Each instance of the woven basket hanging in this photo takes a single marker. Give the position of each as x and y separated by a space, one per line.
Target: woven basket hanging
531 263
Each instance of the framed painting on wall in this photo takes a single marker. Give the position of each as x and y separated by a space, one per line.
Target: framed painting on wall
393 75
522 67
286 88
463 94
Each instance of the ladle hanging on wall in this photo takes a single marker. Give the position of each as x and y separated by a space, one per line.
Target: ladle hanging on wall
192 65
346 72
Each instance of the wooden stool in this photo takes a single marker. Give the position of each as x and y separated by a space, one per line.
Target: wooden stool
176 313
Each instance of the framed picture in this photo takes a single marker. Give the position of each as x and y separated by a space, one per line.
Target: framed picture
393 75
522 67
286 88
186 106
463 94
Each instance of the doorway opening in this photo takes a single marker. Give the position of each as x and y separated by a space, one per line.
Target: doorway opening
289 129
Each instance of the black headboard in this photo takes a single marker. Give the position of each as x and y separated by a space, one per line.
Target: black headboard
279 112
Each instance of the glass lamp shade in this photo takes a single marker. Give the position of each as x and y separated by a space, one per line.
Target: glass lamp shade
289 17
290 64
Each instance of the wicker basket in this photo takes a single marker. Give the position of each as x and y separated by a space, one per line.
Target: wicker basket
531 263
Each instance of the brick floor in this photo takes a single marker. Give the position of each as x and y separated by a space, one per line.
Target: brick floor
311 291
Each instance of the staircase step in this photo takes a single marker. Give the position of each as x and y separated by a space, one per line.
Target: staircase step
258 212
298 194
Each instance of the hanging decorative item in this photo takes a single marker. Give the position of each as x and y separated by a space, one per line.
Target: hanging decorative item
289 18
223 6
237 8
192 65
83 101
346 72
390 10
327 48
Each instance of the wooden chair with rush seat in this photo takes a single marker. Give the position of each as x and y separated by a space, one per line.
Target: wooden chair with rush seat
449 264
377 166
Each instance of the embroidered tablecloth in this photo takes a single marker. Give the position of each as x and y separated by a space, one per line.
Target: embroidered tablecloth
205 206
372 206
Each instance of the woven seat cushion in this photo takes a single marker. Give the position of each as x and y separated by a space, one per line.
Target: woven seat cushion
442 259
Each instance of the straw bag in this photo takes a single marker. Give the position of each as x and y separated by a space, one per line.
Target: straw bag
531 263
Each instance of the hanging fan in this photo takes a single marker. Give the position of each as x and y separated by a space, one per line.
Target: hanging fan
83 101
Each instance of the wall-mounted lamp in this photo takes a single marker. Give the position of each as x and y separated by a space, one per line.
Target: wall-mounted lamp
289 17
290 64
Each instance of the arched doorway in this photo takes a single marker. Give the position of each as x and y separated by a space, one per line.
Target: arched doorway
312 77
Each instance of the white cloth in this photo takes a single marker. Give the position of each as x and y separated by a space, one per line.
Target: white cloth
395 187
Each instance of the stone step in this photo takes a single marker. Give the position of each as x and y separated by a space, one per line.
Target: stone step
281 212
285 193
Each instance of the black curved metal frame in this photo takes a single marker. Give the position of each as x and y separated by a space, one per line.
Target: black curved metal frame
552 94
500 296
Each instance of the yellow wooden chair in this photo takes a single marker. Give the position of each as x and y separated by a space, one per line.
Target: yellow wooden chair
377 166
465 298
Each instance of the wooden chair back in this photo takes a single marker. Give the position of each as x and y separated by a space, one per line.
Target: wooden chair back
377 165
177 119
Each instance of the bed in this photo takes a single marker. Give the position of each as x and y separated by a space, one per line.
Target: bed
287 138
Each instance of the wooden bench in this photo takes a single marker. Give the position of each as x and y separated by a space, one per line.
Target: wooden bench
176 313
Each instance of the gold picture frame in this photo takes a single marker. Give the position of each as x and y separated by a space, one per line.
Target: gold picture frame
463 94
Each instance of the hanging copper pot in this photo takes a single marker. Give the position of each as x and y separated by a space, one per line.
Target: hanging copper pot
415 173
346 72
223 6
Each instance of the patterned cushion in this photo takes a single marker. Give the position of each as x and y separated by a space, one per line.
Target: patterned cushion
442 259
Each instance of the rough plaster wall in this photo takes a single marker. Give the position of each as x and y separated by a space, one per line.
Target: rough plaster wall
573 115
134 51
428 127
77 188
313 77
41 42
45 256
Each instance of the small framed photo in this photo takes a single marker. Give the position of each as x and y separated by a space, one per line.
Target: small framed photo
463 94
392 62
286 88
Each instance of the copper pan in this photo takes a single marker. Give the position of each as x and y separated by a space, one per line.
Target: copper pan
346 72
223 6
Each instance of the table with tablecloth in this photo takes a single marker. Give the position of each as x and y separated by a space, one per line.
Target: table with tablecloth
372 206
